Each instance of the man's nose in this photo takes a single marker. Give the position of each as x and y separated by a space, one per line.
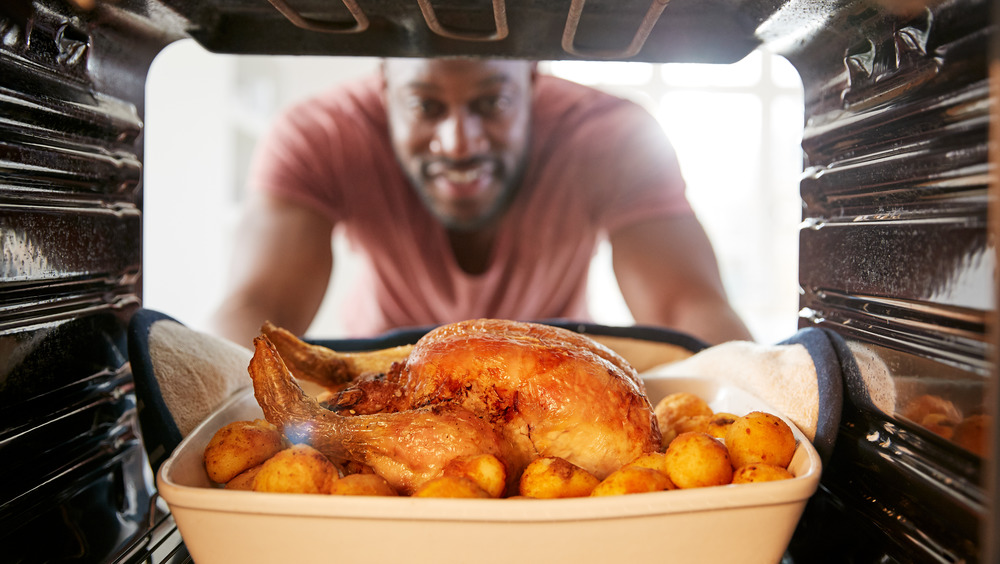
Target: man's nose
458 136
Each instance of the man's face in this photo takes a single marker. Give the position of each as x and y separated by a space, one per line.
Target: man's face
460 131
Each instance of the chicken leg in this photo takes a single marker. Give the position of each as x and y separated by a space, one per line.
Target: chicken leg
328 368
407 448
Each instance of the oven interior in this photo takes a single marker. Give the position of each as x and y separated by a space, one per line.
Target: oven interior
897 255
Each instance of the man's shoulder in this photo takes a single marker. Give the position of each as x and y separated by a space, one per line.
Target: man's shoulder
551 87
567 110
356 97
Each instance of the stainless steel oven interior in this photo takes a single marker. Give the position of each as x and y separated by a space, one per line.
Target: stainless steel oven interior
897 253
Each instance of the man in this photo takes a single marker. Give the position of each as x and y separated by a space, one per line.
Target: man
473 188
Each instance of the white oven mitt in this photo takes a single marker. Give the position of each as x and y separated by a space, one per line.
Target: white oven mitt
181 376
196 371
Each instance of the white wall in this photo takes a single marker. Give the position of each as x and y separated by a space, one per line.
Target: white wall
203 113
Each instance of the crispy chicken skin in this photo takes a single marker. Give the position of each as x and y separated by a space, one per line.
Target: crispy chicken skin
536 390
327 367
407 448
549 391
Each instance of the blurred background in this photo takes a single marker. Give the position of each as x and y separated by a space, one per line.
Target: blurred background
737 130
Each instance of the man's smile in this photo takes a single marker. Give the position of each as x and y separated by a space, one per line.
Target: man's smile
461 181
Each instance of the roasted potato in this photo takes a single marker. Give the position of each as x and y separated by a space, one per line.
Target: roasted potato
550 477
352 467
760 437
921 406
695 424
299 469
972 432
244 480
759 472
632 480
939 424
362 484
239 446
674 409
451 486
652 460
486 470
719 423
696 460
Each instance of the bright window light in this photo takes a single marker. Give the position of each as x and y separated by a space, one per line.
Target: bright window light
619 74
746 72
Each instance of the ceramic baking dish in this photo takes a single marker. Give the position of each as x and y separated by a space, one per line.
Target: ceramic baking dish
736 523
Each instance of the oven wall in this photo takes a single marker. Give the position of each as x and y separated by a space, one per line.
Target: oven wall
75 484
896 261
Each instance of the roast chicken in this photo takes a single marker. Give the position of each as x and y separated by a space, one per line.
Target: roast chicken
515 390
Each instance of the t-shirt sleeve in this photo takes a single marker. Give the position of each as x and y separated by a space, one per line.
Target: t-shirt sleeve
632 168
288 161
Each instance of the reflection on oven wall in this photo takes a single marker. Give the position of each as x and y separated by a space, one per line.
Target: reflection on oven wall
748 115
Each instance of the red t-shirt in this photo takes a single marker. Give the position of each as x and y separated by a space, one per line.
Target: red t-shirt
596 163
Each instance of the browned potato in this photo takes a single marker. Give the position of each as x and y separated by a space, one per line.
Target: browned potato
696 460
939 424
352 467
299 469
971 433
719 423
632 480
676 407
693 424
451 486
760 437
652 460
550 477
244 480
241 445
486 470
759 472
362 484
921 406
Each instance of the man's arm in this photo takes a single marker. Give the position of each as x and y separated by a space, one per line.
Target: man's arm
668 275
280 269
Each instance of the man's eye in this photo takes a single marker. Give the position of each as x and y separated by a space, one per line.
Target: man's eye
491 105
427 108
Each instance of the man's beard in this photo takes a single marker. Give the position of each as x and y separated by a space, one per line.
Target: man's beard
494 208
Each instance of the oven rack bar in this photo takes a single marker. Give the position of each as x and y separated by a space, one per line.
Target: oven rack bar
291 14
500 31
656 8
